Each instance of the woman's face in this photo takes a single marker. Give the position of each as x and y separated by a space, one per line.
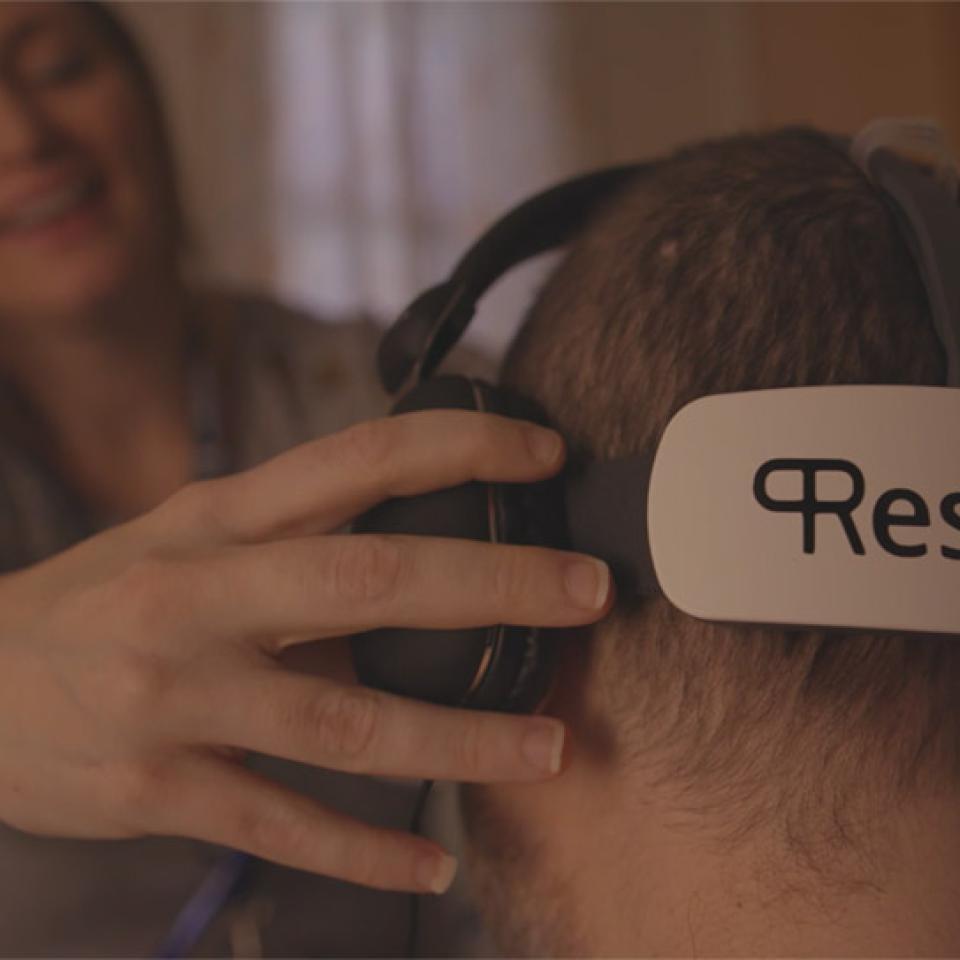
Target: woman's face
87 206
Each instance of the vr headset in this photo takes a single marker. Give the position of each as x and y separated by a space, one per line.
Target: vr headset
832 507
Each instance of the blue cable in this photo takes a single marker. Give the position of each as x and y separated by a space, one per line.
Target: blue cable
218 888
211 459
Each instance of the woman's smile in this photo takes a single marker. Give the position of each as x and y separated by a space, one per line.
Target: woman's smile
65 210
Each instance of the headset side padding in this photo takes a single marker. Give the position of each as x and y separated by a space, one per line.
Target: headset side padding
441 665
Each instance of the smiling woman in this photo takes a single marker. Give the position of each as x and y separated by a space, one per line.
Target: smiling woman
91 300
90 212
141 667
101 337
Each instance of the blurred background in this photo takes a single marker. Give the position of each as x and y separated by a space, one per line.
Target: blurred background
342 155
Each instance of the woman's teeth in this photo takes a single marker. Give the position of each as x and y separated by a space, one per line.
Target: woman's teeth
49 208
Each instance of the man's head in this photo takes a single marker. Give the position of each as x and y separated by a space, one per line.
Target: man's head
746 263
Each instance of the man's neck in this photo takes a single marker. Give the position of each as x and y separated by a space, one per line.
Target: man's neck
654 887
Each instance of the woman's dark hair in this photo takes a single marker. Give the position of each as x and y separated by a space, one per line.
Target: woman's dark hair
120 38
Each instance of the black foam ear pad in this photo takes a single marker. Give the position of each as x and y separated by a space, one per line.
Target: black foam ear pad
495 667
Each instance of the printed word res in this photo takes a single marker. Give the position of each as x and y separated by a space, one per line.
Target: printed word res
899 507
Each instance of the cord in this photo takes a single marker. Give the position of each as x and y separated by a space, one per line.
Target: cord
222 884
418 809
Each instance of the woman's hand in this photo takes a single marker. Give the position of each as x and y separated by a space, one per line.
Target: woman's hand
139 666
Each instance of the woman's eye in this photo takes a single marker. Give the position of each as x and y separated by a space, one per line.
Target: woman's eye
51 61
59 70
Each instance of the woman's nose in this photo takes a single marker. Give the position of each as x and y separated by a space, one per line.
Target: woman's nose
25 134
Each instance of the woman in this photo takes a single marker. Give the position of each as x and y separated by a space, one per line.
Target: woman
150 623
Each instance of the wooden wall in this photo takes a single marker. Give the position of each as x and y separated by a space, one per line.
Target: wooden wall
612 81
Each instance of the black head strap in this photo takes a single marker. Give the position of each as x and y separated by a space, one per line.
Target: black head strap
429 328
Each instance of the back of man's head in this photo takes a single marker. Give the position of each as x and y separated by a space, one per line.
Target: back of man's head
752 262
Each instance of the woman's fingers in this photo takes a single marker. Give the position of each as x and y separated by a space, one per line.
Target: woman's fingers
319 486
219 801
280 592
358 730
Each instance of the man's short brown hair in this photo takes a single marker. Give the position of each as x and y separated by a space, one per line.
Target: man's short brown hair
745 263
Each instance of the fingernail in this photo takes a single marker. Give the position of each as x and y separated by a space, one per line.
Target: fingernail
588 583
435 874
545 445
542 745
